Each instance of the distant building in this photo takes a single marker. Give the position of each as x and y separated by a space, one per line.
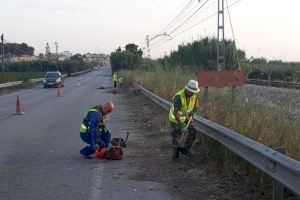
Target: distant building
22 58
65 55
97 60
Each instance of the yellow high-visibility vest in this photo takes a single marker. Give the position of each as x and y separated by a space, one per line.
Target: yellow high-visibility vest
115 77
84 125
186 108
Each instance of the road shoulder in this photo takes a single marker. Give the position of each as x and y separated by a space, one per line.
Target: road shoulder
147 168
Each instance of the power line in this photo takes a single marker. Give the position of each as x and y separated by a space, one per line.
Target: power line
236 52
162 39
184 22
159 44
195 11
203 20
188 17
176 17
198 23
230 21
192 10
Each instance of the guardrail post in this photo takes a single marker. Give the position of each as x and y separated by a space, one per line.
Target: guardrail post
278 188
205 94
233 95
205 98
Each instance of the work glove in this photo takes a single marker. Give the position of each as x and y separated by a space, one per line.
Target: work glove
100 153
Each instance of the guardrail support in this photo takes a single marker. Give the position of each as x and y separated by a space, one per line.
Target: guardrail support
205 94
278 188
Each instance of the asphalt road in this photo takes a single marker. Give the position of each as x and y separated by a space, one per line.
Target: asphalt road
39 151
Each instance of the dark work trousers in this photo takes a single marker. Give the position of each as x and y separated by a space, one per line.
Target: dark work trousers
103 141
115 84
176 134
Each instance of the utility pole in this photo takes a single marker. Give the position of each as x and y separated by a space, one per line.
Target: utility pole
56 49
147 44
2 40
221 41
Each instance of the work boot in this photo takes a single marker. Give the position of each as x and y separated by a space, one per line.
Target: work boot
175 155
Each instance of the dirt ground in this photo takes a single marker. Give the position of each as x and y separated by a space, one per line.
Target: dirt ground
149 151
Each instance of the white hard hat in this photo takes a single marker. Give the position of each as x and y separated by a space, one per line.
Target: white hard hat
192 86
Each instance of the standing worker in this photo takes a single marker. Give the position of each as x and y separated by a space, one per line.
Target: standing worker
184 106
115 79
94 132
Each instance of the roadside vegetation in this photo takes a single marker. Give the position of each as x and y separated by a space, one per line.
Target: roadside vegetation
275 70
21 76
276 128
16 71
272 127
253 120
201 55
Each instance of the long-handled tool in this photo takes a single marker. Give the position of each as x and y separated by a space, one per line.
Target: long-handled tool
184 134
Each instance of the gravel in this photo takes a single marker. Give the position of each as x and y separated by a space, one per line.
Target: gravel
281 99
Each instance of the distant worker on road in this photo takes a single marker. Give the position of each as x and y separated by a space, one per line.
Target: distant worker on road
115 79
94 132
184 106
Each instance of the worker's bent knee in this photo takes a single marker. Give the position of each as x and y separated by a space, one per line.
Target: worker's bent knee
86 138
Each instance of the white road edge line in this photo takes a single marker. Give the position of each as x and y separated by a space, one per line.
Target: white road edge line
96 192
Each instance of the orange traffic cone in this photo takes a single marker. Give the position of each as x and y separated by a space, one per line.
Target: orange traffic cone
59 90
18 107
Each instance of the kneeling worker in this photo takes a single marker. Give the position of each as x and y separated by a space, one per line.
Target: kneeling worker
94 132
184 106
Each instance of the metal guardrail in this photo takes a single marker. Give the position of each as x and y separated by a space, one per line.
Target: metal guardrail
35 80
10 84
278 166
281 84
81 72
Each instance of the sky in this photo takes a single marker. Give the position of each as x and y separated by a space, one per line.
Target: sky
262 28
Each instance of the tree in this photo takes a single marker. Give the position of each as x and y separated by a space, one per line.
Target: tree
14 49
129 58
202 54
41 56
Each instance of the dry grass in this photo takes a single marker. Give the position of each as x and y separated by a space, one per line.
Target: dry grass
254 120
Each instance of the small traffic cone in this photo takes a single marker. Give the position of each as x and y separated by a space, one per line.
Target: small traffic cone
18 107
59 90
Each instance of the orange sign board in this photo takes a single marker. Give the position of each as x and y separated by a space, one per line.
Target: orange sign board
220 78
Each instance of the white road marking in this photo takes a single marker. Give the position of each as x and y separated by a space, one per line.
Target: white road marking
97 184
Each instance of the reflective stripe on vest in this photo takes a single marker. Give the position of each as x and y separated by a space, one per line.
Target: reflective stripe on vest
185 109
83 127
